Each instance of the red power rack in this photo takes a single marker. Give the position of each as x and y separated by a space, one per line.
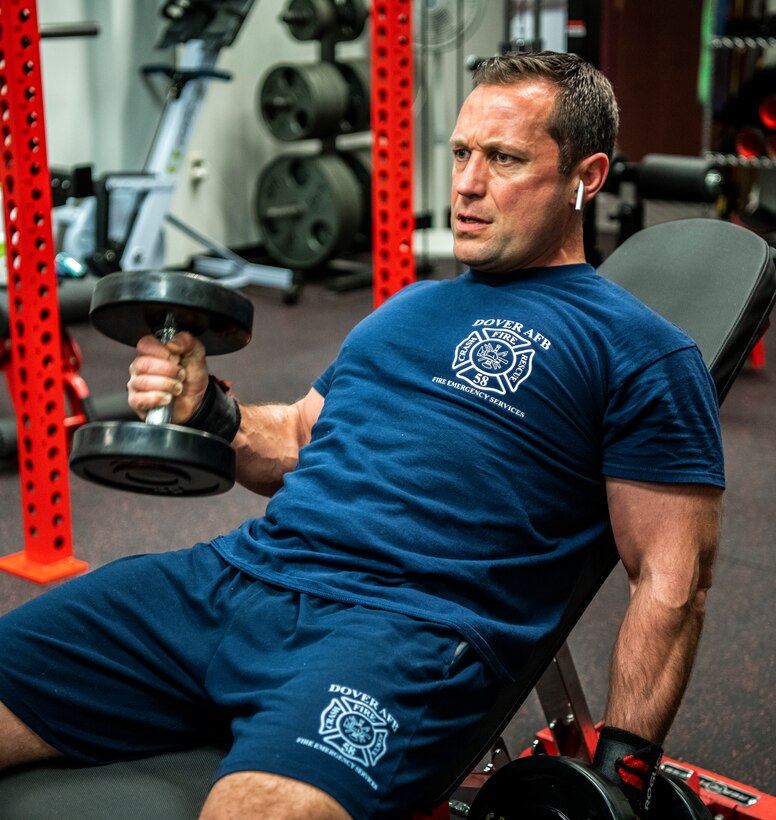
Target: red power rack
36 375
393 220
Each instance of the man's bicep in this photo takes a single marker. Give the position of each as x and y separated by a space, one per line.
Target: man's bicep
665 533
309 407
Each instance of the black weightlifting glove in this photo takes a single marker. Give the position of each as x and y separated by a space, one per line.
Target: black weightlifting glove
631 762
218 413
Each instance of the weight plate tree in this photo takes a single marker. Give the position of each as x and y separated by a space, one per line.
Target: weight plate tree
309 209
313 208
157 457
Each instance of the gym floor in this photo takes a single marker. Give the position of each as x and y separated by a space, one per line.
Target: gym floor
726 723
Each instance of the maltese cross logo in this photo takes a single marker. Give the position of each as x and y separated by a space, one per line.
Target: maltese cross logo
355 730
498 361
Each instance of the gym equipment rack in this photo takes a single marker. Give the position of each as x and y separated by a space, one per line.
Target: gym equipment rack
392 134
36 372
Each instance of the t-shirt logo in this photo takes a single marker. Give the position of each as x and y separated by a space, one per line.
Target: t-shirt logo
498 361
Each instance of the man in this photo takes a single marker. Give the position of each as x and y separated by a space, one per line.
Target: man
434 497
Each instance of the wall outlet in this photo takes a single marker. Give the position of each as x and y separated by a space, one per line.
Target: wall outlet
198 168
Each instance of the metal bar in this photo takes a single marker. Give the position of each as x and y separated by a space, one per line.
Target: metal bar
565 708
249 273
393 220
210 244
142 246
58 30
32 306
238 271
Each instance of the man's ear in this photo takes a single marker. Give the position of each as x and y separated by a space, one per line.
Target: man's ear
591 172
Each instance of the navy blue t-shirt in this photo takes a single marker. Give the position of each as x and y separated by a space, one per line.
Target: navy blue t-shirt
457 470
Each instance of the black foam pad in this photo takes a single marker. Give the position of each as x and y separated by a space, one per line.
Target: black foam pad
165 787
74 295
713 279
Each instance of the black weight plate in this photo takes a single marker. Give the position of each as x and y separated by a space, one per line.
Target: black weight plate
546 787
300 102
356 75
339 20
309 19
359 161
126 306
673 799
308 209
351 19
163 459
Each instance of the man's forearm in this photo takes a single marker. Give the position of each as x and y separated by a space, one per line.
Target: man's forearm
267 445
651 665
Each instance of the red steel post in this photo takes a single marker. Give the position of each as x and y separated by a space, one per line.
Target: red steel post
393 220
32 305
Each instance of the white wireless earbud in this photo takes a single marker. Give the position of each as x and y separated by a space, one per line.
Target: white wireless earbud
580 194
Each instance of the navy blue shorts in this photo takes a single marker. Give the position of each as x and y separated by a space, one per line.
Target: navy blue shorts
157 652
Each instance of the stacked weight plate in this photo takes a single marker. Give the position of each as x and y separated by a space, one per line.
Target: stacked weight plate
311 208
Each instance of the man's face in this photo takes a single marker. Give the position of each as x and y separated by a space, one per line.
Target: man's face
510 207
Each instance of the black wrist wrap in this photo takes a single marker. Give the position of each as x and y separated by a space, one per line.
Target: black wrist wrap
631 762
218 412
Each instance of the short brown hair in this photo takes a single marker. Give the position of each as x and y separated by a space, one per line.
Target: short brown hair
585 118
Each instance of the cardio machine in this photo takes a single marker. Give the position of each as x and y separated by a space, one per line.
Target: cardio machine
121 226
718 282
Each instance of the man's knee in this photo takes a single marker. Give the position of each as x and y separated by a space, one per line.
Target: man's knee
18 743
249 795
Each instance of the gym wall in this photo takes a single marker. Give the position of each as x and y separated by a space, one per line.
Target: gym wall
650 52
99 109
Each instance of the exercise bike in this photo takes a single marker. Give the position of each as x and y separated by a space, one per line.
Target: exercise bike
121 227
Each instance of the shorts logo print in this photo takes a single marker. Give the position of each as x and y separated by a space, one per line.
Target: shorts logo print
355 728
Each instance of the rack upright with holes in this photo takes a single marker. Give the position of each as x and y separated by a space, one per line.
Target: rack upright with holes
36 373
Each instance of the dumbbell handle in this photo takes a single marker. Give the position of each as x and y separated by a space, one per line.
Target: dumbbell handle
163 414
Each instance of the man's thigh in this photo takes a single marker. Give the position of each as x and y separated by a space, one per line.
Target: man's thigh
359 703
110 665
18 743
264 796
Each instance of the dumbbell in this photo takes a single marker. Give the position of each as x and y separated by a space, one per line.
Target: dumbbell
155 456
